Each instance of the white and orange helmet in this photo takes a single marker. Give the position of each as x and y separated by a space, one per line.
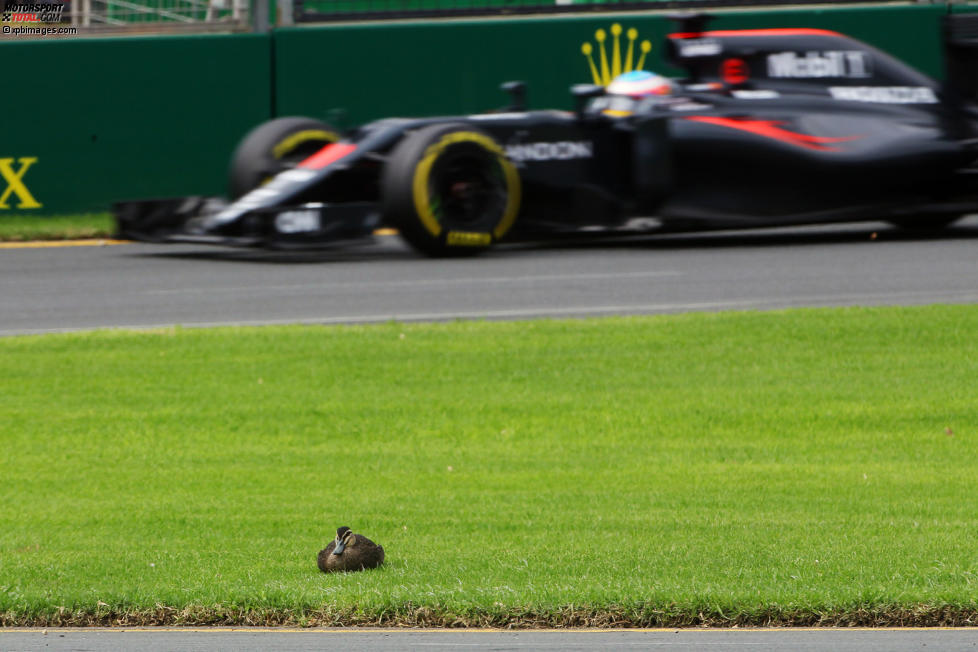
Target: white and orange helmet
639 84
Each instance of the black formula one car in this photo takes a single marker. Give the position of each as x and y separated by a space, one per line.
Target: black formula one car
769 127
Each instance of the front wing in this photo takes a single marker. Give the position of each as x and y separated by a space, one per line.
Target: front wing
310 225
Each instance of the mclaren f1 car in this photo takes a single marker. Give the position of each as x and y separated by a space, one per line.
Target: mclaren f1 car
768 127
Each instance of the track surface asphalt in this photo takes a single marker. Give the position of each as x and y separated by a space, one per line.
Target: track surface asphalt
145 286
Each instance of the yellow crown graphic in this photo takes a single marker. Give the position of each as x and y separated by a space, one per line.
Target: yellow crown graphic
607 73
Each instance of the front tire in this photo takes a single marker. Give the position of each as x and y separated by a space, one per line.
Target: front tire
450 190
273 147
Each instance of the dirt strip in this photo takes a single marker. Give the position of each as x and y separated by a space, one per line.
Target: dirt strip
567 617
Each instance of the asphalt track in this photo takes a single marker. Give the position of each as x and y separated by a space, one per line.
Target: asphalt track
798 640
148 286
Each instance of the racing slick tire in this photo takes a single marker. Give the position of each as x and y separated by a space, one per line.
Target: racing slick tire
273 147
450 190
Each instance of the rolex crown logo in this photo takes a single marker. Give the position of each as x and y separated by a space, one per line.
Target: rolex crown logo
606 73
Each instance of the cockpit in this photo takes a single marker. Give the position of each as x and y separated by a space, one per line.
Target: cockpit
632 91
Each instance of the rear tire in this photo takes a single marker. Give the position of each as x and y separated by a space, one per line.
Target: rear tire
274 147
450 190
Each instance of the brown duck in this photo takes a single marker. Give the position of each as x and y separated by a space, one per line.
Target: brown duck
350 552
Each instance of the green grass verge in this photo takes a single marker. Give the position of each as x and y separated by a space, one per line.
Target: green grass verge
798 467
21 227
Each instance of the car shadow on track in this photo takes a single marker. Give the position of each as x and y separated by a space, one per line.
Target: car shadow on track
390 247
863 232
385 248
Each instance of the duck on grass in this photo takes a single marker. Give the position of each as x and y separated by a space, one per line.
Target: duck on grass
350 552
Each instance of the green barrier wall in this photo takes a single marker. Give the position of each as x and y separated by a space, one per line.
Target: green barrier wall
88 122
109 119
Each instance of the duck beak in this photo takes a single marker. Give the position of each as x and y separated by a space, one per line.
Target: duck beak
340 547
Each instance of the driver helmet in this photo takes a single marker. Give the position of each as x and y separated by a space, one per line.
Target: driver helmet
640 83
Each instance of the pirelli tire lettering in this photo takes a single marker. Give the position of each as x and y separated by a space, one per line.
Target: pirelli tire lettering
15 194
450 190
465 239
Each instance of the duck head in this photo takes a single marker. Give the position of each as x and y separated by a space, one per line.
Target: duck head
344 539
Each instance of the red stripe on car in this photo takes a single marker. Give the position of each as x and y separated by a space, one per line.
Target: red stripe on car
329 154
772 129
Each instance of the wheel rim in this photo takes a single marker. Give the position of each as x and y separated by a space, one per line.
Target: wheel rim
467 188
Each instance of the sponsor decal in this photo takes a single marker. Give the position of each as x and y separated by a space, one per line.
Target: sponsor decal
698 47
734 71
603 71
564 150
12 173
818 65
885 94
298 221
755 95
